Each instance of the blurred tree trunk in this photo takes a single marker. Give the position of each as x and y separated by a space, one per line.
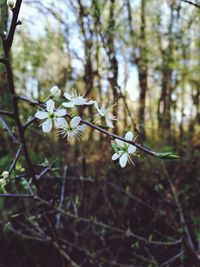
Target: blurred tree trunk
5 99
195 95
87 33
110 37
164 102
141 61
168 59
143 71
108 42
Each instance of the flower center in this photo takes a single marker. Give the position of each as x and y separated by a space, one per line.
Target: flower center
51 115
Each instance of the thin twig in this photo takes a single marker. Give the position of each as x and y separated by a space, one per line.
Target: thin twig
191 3
7 195
29 122
7 113
182 218
15 159
172 259
62 197
7 128
65 255
43 172
112 228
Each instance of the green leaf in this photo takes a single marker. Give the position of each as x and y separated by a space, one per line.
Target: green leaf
114 146
167 155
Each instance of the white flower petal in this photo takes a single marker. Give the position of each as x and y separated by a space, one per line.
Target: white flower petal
55 91
123 160
109 123
75 122
50 104
96 105
131 149
78 101
41 115
111 117
101 112
60 112
47 126
67 96
60 123
115 156
68 104
119 142
72 133
129 136
81 128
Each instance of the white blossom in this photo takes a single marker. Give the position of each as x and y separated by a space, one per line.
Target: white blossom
55 91
73 129
106 114
5 174
3 179
51 116
123 150
76 100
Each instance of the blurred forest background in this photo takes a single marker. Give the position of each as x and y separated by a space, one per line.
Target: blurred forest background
144 57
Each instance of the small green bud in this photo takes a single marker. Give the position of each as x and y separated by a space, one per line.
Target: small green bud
10 4
55 91
167 155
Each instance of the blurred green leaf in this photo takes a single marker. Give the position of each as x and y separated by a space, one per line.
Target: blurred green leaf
167 155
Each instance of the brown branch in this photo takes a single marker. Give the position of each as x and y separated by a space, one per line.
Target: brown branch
8 40
191 3
7 43
6 62
111 135
114 136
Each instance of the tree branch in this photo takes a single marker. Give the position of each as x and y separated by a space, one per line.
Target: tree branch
8 40
111 135
191 3
7 113
17 195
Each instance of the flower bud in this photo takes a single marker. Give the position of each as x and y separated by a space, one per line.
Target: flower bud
55 91
5 174
10 4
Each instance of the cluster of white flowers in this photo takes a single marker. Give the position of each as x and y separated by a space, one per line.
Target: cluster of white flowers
55 118
123 150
